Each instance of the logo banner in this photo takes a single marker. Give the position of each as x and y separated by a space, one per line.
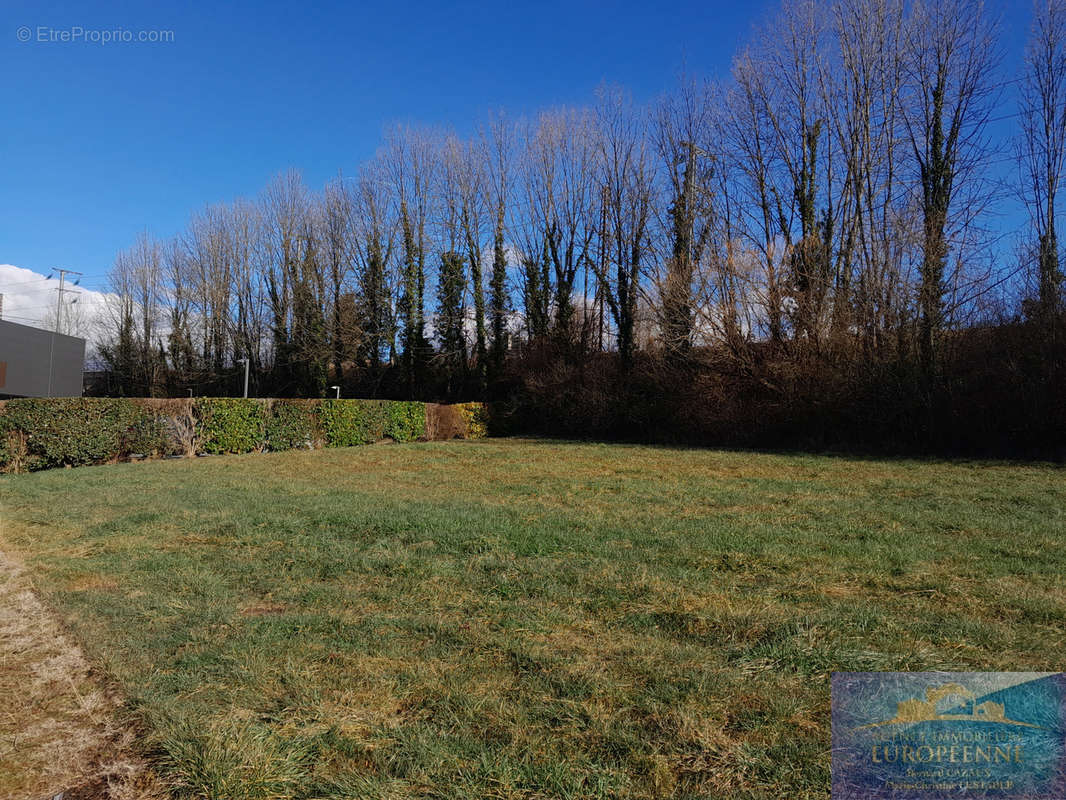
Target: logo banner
929 735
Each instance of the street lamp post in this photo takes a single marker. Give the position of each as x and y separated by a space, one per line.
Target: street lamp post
245 362
338 391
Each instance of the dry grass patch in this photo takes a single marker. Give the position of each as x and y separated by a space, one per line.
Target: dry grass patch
61 728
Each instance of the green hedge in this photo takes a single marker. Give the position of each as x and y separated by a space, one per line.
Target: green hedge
346 423
292 425
475 417
228 425
405 422
42 433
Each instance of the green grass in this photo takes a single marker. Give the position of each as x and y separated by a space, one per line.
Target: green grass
513 618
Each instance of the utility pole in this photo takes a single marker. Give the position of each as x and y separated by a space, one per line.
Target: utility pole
61 290
59 314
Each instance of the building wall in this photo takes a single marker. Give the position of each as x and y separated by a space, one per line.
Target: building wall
25 356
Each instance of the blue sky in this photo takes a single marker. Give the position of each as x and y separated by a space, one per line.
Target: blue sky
103 141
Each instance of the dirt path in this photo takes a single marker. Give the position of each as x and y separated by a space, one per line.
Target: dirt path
58 729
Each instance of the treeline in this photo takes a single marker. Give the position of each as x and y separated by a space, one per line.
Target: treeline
830 205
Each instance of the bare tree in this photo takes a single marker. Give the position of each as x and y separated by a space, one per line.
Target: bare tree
285 209
210 279
336 221
793 54
1043 143
865 123
134 307
181 351
248 323
412 162
948 92
497 153
627 190
683 128
726 274
752 149
561 184
373 252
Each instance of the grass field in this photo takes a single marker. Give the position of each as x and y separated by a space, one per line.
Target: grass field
514 618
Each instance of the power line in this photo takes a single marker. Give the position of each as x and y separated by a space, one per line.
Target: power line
59 315
27 283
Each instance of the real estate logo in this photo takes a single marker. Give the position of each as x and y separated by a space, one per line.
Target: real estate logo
926 735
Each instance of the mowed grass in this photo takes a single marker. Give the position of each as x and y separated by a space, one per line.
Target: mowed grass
515 619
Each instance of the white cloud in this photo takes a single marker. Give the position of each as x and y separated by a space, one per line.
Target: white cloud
30 299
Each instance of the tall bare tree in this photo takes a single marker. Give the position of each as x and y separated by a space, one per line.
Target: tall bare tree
627 177
1043 143
412 161
336 220
135 310
865 123
497 152
373 252
750 146
561 181
683 128
948 93
283 208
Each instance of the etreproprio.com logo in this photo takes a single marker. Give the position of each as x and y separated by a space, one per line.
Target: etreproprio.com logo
77 34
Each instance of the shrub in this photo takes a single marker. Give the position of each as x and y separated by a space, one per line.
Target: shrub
38 433
14 450
347 423
179 425
443 423
475 418
291 424
405 421
145 437
75 431
229 425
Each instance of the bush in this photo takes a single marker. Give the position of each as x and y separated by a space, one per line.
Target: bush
228 425
38 433
291 424
405 421
347 423
178 424
75 431
443 423
14 451
475 417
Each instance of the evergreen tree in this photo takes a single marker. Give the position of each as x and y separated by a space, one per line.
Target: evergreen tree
450 319
498 299
374 313
537 293
412 306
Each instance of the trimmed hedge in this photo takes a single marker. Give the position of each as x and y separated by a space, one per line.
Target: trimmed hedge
475 417
43 433
291 425
405 421
38 433
346 424
227 425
